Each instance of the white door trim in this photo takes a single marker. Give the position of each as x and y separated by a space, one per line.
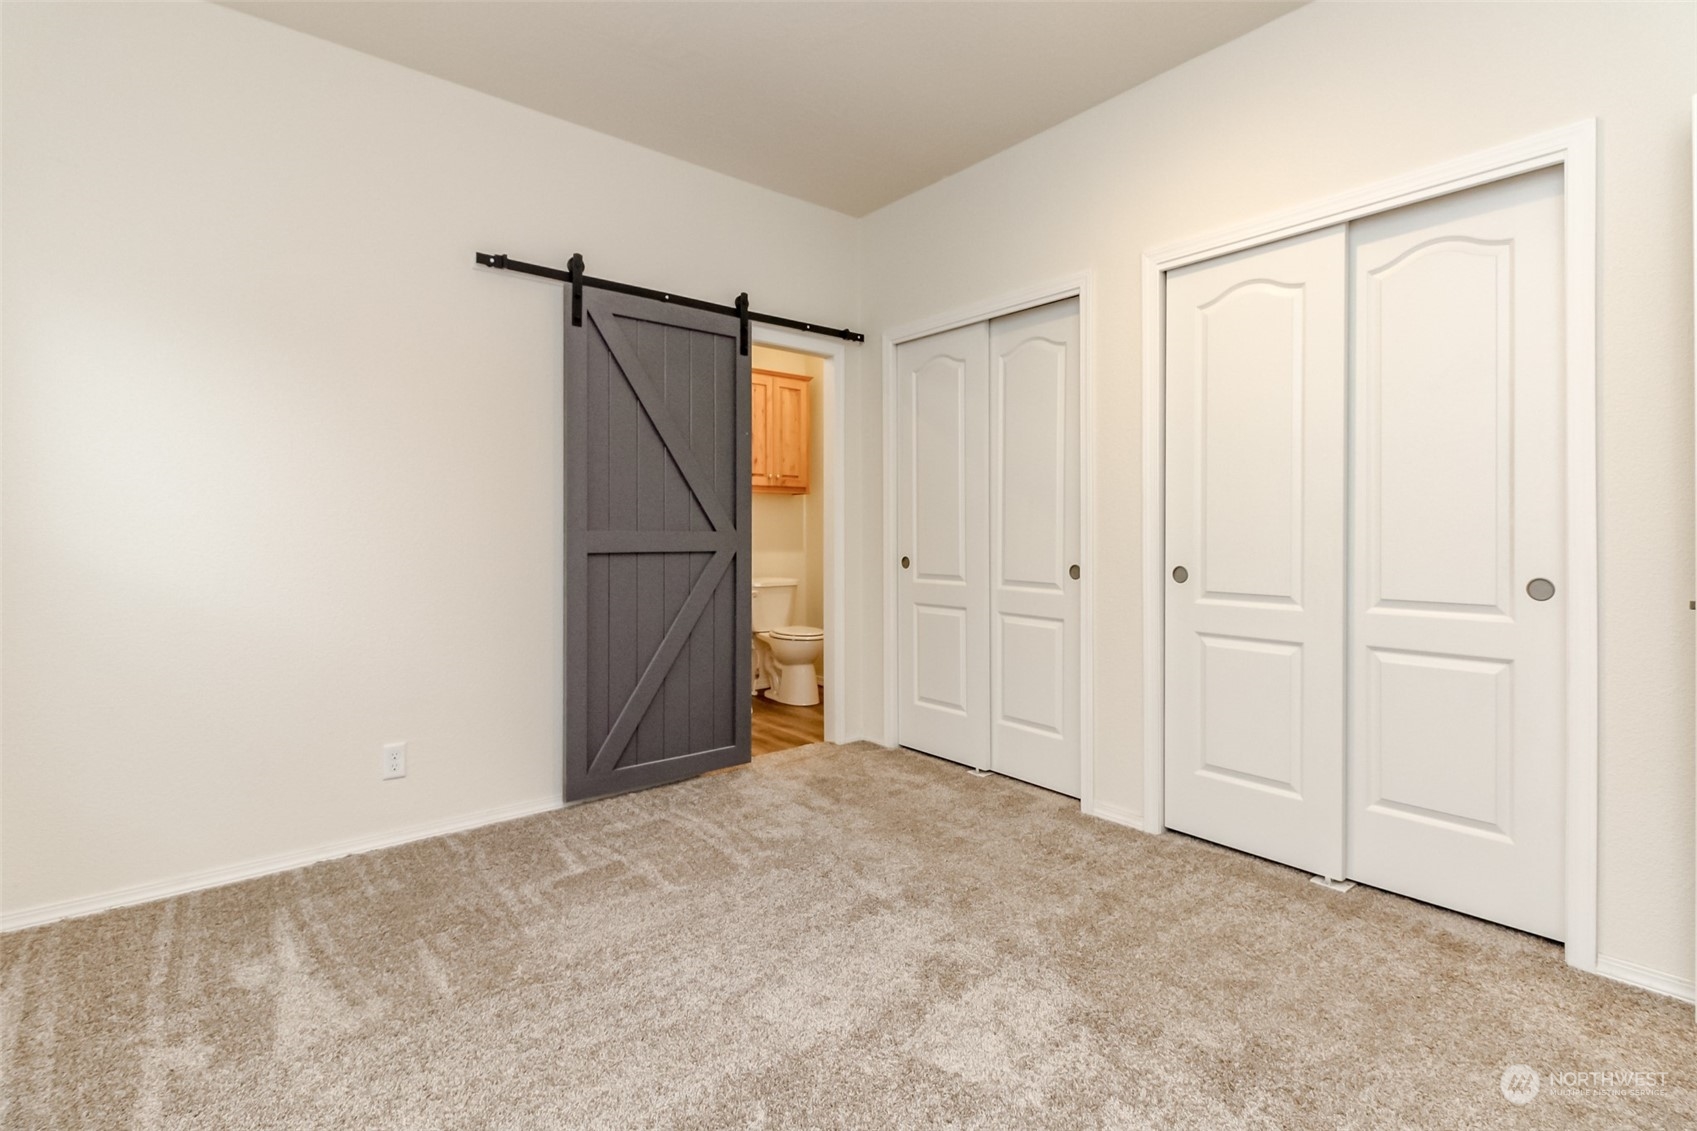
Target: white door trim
831 402
1082 287
1574 148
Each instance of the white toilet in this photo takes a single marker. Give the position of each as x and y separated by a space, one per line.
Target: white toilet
784 653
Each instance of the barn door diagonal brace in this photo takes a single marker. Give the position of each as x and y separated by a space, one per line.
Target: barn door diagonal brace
648 686
574 276
665 425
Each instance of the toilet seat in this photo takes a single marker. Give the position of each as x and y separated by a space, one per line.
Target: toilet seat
796 632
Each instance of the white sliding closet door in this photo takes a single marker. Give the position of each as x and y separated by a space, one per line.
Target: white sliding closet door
988 523
1456 768
1256 418
1034 542
943 593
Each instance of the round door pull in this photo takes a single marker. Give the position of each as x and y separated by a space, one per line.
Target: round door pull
904 561
1180 574
1540 589
1073 573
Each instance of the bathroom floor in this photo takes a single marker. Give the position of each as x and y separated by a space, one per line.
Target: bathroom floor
779 726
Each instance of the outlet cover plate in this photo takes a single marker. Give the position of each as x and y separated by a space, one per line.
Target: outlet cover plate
394 764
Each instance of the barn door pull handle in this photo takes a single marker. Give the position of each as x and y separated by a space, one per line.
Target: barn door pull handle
1180 574
1540 589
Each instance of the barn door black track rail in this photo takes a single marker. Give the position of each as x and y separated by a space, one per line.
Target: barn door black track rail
573 276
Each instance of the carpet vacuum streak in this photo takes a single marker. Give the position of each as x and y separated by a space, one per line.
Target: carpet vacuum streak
837 936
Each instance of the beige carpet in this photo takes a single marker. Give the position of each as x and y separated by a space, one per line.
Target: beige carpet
833 937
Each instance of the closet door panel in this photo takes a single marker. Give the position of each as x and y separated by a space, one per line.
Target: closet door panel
1457 752
1256 447
943 607
1034 543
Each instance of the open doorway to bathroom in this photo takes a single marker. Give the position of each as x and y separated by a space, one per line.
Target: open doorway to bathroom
787 651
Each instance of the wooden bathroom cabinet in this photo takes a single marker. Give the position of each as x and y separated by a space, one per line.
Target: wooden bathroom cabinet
781 429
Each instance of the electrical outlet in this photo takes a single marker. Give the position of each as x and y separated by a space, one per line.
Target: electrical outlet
394 760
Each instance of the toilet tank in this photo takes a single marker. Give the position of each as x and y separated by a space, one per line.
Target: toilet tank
774 599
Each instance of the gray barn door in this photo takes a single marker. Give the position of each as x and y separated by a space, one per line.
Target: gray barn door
658 583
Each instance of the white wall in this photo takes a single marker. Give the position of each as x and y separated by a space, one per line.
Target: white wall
1327 99
281 467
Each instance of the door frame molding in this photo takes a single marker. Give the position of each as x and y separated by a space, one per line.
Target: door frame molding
831 405
1082 286
1574 149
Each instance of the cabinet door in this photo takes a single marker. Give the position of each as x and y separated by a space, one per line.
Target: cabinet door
789 451
760 417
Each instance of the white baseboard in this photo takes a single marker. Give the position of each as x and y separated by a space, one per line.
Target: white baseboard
1615 969
1620 970
266 866
1117 815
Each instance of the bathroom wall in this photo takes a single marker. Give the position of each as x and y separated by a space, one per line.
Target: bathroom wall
789 530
